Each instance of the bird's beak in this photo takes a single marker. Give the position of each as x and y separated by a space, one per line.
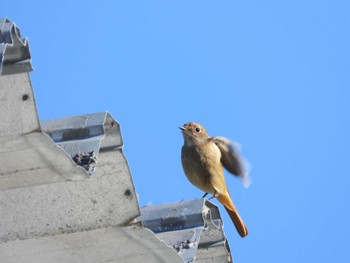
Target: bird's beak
182 128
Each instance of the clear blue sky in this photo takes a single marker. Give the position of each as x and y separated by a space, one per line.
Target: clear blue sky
272 75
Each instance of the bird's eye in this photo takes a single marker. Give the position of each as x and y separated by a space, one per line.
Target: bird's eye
198 129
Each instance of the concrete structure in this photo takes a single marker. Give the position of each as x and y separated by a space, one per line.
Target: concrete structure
193 228
66 192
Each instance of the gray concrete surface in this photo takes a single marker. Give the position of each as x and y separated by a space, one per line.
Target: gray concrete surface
17 105
64 207
113 245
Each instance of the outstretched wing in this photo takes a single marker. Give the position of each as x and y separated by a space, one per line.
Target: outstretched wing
232 160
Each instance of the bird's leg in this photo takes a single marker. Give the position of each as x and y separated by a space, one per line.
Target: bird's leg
214 195
210 197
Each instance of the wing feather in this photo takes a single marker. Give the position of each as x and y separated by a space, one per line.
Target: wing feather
232 160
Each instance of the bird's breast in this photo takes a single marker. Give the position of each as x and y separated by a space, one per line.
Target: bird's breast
200 164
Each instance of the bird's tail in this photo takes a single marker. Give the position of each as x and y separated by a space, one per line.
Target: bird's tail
225 199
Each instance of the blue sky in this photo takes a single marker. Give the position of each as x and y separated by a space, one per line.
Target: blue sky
271 75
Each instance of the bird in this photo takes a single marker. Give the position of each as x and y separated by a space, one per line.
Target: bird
203 158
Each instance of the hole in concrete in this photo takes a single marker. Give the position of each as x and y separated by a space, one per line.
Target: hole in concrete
25 97
127 192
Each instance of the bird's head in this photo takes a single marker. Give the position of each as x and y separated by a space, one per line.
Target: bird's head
193 132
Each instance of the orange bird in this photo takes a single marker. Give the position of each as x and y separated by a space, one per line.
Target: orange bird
202 159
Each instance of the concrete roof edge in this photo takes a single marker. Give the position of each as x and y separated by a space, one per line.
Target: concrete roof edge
14 51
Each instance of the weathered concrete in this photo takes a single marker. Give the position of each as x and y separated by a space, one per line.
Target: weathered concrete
67 206
114 245
33 159
17 105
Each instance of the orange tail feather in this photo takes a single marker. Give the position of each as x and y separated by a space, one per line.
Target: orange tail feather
225 199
